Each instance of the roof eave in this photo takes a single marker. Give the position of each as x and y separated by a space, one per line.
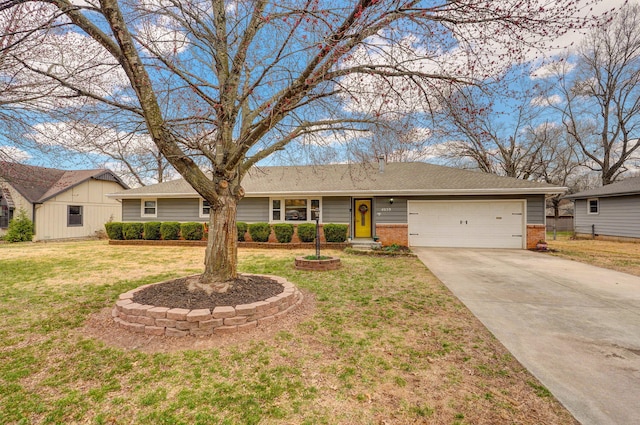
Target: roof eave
605 195
53 195
400 192
138 195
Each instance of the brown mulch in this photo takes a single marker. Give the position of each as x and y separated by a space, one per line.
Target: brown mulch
177 294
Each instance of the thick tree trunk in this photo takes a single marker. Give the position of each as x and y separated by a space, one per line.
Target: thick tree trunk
222 246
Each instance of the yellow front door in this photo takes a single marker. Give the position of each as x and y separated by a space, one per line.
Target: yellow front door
362 218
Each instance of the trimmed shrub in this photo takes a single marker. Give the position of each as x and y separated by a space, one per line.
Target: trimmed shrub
242 230
260 232
170 230
20 228
307 232
114 230
284 232
335 232
152 230
132 230
192 231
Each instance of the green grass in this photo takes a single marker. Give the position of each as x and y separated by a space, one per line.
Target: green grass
565 235
385 341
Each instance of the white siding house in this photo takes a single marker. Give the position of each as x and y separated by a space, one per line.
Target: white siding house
62 204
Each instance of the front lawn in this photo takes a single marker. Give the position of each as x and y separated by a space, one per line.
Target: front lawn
380 341
615 255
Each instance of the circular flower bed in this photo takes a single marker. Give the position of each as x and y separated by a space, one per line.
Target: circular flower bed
329 263
179 322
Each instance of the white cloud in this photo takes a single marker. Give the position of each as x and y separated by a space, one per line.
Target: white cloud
327 138
546 101
164 35
14 154
89 138
549 69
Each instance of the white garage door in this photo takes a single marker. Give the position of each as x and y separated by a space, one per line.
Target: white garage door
482 224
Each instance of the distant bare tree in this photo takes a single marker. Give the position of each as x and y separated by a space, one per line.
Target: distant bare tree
394 141
561 162
601 94
475 125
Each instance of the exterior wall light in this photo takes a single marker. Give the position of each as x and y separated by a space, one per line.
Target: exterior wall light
390 200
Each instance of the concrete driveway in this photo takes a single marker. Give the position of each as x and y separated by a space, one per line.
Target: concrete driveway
575 327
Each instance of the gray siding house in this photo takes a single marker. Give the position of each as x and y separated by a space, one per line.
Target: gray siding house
608 211
415 204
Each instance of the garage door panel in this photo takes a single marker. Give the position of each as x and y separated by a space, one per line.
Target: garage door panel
483 224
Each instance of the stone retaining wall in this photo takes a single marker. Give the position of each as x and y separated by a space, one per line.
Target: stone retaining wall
180 322
332 263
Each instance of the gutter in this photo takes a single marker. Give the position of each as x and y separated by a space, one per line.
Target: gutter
399 192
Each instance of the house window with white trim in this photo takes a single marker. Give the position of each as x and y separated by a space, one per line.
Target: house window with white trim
294 209
276 208
593 206
205 208
149 208
74 215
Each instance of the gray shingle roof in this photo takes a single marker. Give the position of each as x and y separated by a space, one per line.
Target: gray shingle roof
37 184
626 187
360 179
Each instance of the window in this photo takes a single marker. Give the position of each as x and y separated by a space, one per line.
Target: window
205 208
295 210
74 215
275 215
149 208
6 213
593 206
315 209
300 209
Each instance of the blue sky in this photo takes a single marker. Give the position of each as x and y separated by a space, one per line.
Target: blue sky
89 160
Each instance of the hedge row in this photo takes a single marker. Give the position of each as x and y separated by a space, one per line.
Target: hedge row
284 232
154 230
193 231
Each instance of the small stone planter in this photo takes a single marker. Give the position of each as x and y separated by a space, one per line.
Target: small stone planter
180 322
331 263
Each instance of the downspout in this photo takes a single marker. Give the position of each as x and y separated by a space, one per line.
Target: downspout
33 217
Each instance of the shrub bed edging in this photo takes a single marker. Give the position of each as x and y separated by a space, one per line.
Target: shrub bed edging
180 322
331 263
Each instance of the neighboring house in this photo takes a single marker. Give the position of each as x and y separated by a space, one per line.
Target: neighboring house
61 204
415 204
611 210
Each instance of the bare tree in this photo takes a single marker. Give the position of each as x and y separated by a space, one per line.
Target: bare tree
492 128
233 82
601 94
561 162
398 140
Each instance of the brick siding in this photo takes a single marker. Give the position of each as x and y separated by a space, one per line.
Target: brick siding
535 233
393 233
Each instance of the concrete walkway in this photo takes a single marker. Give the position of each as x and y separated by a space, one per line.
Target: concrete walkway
575 327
